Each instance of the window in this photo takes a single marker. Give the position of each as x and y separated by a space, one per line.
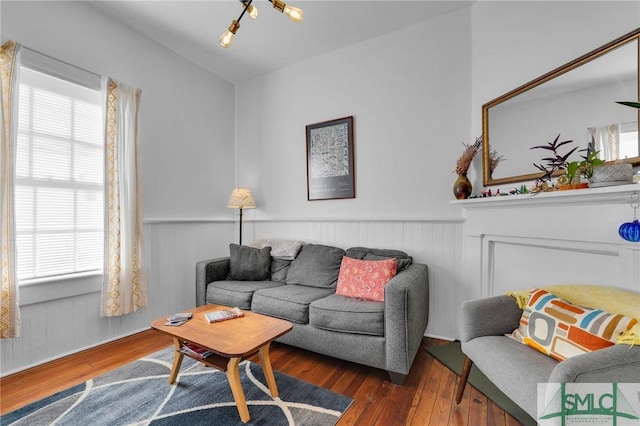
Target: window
629 145
59 185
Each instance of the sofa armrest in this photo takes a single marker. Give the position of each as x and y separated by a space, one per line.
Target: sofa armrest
615 364
208 271
493 316
406 311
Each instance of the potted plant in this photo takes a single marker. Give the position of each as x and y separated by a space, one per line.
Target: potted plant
462 187
573 171
558 162
589 162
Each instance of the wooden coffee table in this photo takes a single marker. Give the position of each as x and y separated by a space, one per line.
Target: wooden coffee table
230 341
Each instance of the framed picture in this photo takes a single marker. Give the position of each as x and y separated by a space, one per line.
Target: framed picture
330 171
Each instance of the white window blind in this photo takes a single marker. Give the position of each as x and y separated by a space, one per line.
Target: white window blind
59 177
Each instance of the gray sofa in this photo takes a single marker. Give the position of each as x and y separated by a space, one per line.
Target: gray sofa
383 335
516 369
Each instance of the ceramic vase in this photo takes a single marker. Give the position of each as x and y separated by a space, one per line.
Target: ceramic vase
462 187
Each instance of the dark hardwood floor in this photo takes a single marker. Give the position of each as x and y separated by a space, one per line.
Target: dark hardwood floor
426 397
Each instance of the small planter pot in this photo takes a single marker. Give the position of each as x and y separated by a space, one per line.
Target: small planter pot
581 185
611 174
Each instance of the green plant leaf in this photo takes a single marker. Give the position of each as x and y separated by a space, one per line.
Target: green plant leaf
629 104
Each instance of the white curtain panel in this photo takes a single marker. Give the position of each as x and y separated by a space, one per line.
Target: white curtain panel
9 67
607 141
124 287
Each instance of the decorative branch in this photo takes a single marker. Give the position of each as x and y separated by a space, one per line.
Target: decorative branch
494 160
469 152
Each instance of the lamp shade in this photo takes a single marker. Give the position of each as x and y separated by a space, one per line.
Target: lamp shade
241 198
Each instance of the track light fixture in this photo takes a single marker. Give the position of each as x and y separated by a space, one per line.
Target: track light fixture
295 14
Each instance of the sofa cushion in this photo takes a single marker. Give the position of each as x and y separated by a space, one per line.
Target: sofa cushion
347 315
365 279
561 329
279 269
290 302
249 264
366 253
513 367
235 293
316 266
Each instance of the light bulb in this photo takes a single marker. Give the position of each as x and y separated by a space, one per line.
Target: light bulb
226 38
252 12
295 14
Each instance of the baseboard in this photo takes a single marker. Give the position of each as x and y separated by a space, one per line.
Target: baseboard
10 372
435 336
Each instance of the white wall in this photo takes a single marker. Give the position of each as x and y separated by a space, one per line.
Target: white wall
186 147
409 94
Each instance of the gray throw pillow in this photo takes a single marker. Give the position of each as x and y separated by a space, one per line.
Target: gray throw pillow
249 264
316 266
365 253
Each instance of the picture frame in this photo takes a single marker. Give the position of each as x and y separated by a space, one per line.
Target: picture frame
330 160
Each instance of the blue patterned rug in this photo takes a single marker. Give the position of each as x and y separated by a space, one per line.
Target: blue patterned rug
139 394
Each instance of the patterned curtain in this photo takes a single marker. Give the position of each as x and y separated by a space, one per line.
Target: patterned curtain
10 310
124 288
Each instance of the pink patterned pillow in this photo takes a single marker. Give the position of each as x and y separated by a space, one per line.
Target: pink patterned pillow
365 279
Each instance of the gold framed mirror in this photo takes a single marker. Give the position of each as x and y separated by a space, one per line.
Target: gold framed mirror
576 101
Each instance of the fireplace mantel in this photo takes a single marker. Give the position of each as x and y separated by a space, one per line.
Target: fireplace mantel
605 195
515 242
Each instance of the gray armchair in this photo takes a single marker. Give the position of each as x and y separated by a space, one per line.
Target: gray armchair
516 369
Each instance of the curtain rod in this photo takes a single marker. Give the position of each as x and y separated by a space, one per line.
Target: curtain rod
59 60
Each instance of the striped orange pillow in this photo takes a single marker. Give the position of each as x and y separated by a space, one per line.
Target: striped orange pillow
561 329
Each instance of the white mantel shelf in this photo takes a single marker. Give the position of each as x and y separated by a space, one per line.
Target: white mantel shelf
605 195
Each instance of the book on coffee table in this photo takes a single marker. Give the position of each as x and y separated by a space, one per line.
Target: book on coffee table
195 351
223 315
177 320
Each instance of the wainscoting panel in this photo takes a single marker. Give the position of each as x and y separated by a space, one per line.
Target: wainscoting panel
436 243
517 263
59 327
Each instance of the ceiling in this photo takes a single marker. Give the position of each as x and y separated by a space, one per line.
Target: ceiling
192 29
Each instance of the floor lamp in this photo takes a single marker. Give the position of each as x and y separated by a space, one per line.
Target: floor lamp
241 199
